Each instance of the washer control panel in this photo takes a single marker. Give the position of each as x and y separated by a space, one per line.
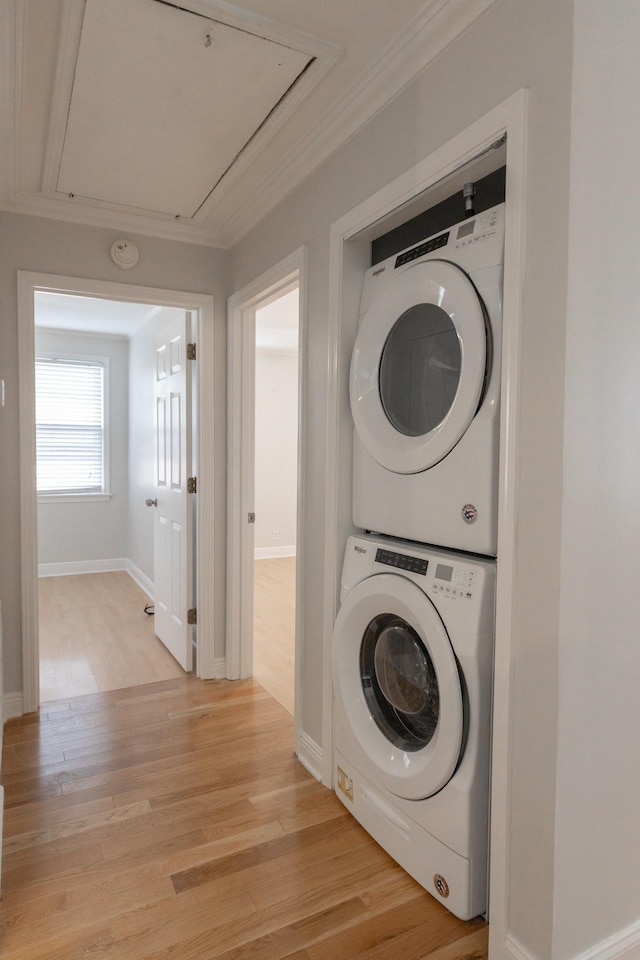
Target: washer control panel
460 586
454 582
448 581
402 562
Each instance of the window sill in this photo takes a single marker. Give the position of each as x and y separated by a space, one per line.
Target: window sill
73 497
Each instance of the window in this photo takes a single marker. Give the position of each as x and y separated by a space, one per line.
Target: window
71 443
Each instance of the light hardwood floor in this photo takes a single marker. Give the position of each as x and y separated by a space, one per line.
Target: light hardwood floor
274 610
95 636
173 821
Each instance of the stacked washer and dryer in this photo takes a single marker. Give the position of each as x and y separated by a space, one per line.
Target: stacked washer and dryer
413 640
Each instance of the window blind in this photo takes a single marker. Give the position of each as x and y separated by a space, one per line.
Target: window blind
69 425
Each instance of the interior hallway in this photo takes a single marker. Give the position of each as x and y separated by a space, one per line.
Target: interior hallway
173 820
95 635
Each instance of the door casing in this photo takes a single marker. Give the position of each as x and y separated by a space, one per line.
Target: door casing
201 307
241 312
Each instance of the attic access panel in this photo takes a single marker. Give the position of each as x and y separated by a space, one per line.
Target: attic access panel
163 101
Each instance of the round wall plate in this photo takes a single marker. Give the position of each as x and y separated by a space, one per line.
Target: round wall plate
124 254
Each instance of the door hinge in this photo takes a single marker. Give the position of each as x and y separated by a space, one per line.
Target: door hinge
192 484
192 615
191 351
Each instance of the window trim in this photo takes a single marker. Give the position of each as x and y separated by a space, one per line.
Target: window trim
88 496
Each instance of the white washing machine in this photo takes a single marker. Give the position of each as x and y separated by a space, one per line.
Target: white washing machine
425 389
412 671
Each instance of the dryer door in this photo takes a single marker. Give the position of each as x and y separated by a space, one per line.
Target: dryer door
419 366
397 686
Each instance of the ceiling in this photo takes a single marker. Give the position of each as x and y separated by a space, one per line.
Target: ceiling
276 323
79 314
191 119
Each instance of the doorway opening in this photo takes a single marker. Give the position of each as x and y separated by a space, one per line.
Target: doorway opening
97 442
276 495
156 308
266 378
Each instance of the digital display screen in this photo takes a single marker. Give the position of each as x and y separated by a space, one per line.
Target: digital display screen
443 572
465 229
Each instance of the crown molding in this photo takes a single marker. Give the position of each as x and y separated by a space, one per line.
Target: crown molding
431 31
240 205
86 215
7 103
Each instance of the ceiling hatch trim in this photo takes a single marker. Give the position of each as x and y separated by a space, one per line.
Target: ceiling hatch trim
437 25
167 49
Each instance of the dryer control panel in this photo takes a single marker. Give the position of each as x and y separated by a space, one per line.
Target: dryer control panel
478 230
473 244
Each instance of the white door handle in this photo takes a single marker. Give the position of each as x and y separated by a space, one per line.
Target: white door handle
151 502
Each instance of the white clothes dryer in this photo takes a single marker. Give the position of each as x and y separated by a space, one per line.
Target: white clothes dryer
425 389
412 661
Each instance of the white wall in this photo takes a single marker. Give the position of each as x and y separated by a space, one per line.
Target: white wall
515 44
597 881
276 452
81 531
44 246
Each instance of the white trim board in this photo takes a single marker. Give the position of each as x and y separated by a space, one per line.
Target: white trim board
98 566
12 706
201 306
435 25
241 309
349 258
73 567
272 553
309 753
623 945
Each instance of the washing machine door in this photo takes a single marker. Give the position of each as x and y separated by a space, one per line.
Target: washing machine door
397 686
419 366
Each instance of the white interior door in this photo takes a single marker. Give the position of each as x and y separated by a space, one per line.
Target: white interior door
173 527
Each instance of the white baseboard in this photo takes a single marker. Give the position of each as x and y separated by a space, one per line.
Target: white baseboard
112 565
269 553
310 755
513 950
623 945
82 566
220 668
12 706
140 578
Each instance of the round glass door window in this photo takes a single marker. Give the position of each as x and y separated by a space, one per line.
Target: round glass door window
399 682
420 369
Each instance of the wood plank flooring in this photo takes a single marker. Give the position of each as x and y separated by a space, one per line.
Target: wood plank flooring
95 636
274 627
172 820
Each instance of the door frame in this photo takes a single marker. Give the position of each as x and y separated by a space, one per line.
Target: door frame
241 341
201 307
